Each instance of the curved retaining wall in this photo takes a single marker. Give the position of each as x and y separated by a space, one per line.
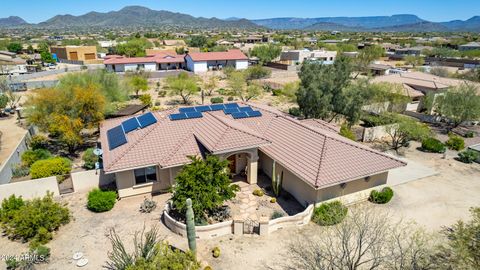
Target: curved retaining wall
202 232
299 219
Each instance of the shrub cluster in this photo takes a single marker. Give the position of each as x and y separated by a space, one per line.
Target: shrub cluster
50 167
346 132
276 214
89 159
258 192
31 156
215 100
468 156
101 201
433 145
381 197
295 111
32 219
38 142
330 213
455 142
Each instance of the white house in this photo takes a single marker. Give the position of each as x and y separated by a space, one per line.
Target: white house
203 61
159 61
295 57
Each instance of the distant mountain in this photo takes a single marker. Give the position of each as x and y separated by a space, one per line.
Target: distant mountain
12 21
133 16
414 27
472 24
328 26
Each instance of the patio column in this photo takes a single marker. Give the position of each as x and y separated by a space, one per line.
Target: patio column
252 170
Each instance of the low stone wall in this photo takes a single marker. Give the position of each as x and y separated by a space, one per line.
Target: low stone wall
87 180
202 232
376 133
299 219
30 189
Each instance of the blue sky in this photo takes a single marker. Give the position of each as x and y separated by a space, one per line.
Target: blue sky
434 10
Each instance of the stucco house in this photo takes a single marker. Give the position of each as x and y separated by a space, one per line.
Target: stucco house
146 152
158 61
199 62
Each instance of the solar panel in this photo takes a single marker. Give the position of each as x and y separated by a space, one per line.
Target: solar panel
217 107
254 114
231 105
116 137
187 109
146 120
203 108
230 110
245 109
194 115
177 116
238 115
130 124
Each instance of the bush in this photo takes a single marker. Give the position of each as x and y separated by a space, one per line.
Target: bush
162 93
38 142
101 201
468 156
273 200
89 159
31 156
222 91
277 92
381 197
433 145
50 167
346 132
41 253
469 134
330 213
455 142
257 72
32 219
230 98
276 214
146 99
258 192
215 100
216 252
295 111
19 170
148 205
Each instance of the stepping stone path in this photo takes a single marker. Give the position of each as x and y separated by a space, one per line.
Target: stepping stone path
248 203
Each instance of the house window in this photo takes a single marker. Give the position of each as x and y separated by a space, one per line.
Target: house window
145 175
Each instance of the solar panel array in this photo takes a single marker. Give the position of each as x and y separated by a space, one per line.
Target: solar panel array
232 109
116 136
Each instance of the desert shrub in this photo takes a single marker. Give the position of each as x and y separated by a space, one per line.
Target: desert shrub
208 267
273 200
31 156
346 132
41 253
381 197
328 214
148 205
50 167
222 91
38 142
455 142
162 93
89 159
469 134
258 192
101 201
433 145
220 214
276 214
215 100
18 170
372 120
32 219
295 111
277 92
157 103
468 156
230 98
146 99
257 72
43 236
216 252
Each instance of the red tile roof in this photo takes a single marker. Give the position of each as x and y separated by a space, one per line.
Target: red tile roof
218 56
156 58
317 155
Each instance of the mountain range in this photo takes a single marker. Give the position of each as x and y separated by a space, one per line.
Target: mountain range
138 16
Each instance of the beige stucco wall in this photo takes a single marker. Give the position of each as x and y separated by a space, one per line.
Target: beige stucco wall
306 194
86 180
30 189
126 182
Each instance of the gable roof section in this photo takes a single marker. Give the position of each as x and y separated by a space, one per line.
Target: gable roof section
310 149
155 58
218 56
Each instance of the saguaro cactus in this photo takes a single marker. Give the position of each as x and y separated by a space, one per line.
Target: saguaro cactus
192 240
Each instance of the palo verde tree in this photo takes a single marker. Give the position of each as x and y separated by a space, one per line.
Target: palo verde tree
133 48
138 81
366 57
206 182
266 53
240 87
182 85
404 130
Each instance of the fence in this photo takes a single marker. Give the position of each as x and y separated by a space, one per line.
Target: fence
86 180
31 188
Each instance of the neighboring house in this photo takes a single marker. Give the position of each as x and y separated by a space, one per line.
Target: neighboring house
159 61
452 62
76 54
414 51
469 46
296 57
377 69
11 64
203 61
317 163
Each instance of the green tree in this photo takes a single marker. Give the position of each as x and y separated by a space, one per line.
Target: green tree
404 130
3 101
414 60
134 48
14 47
210 84
266 53
366 57
198 41
458 104
257 72
239 87
138 83
182 85
206 182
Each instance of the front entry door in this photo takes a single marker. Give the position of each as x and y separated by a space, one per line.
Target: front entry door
232 165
